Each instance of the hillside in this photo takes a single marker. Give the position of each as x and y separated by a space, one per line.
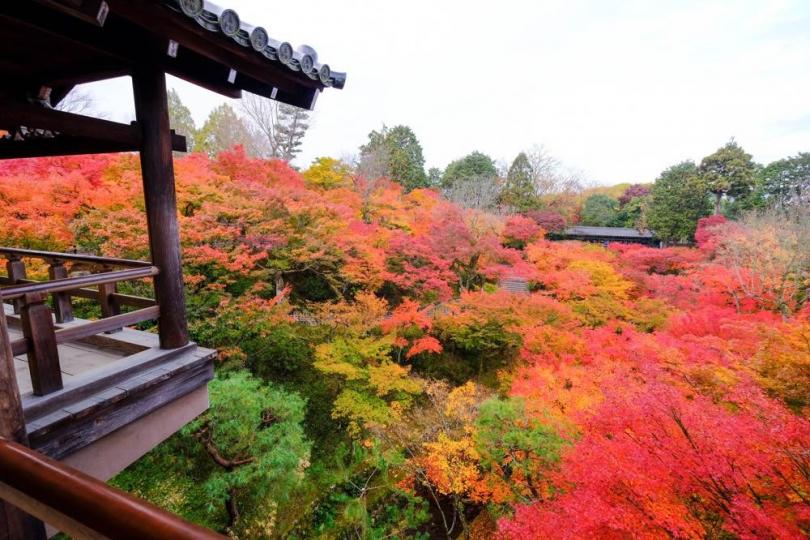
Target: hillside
375 380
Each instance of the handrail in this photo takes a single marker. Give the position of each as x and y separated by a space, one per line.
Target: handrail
67 284
79 504
77 257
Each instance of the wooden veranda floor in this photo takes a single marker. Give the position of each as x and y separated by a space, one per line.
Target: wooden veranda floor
79 358
110 381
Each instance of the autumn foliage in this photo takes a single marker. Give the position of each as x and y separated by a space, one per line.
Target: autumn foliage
634 392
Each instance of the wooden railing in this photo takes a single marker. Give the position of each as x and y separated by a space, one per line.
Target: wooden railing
80 505
29 298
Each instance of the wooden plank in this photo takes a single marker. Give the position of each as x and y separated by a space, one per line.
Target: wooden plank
90 294
43 356
82 386
80 331
72 434
152 112
134 301
14 524
19 346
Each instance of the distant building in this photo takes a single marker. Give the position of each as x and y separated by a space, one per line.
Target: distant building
605 235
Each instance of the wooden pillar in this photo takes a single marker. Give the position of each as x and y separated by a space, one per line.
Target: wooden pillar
43 356
62 310
152 114
14 523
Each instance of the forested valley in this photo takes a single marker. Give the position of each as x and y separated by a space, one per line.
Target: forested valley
376 379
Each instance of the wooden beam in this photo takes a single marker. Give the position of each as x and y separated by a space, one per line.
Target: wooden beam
157 168
60 146
91 11
14 523
92 328
81 331
78 134
35 116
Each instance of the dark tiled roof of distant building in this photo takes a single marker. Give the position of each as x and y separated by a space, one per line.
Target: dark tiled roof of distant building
615 232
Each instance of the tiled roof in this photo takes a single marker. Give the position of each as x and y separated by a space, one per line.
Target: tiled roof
303 59
616 232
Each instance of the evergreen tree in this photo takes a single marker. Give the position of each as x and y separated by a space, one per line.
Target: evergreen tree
434 177
395 153
180 119
786 182
519 191
679 198
728 172
231 466
474 165
223 130
293 123
600 211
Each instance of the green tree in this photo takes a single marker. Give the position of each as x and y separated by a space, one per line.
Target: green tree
474 165
728 172
435 176
180 119
229 468
519 191
223 130
395 153
786 182
679 198
600 211
514 445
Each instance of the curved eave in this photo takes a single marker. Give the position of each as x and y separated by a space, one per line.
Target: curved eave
266 50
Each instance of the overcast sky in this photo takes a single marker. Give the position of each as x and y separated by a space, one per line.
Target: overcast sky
616 90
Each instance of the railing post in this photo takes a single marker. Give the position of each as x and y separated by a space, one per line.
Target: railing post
43 356
109 305
14 523
62 309
15 268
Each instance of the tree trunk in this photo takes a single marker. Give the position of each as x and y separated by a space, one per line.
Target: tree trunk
233 509
717 198
279 283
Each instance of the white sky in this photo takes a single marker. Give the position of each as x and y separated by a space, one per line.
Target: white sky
617 90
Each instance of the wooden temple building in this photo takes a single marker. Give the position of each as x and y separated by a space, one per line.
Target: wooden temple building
606 235
80 400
